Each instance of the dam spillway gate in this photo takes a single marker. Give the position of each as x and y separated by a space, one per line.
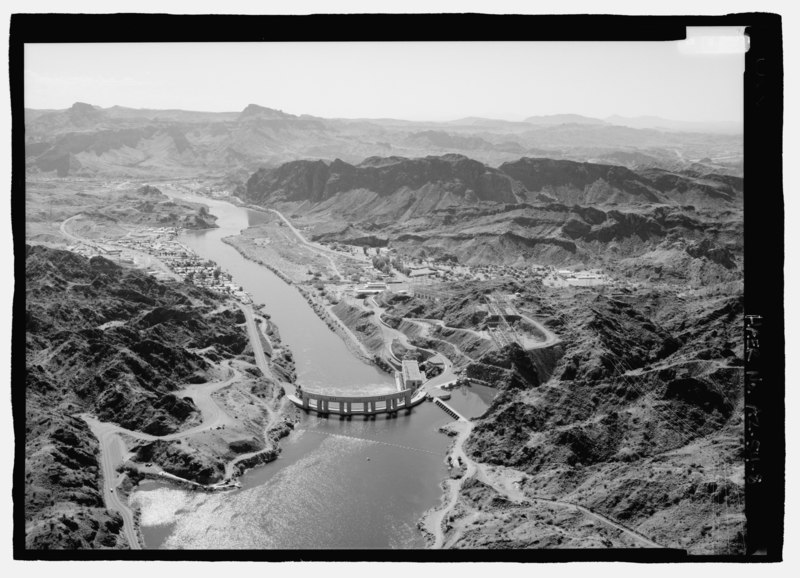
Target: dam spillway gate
357 405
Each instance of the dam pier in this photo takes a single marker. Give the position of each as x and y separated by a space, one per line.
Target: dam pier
357 405
410 392
408 383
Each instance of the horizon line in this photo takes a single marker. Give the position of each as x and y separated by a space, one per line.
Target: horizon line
420 120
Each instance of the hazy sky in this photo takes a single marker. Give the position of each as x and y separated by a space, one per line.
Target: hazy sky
409 80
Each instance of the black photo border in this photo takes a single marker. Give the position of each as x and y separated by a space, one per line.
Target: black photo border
763 227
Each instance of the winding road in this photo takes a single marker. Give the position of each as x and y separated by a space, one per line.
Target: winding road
255 340
113 451
389 334
328 253
111 454
507 482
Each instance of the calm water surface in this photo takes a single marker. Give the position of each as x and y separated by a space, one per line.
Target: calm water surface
337 483
323 360
472 400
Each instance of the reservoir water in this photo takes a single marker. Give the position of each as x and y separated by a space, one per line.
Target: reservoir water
337 483
472 400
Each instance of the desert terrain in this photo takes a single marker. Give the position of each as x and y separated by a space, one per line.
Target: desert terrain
590 273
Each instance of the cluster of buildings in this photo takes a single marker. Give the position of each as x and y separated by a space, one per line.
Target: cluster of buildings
202 272
565 277
356 250
426 277
371 288
162 243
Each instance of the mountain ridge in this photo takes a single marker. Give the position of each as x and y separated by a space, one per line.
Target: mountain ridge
87 141
474 182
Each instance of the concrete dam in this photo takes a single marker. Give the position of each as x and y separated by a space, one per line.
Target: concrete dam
357 405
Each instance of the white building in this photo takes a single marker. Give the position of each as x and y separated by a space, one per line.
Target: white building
412 378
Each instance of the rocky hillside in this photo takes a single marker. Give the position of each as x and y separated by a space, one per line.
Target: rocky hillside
410 187
636 414
642 420
583 183
117 343
648 224
393 187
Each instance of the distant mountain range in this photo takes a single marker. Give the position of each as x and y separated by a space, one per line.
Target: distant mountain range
86 140
640 122
658 123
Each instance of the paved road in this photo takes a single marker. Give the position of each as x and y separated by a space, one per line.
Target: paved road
112 449
316 246
252 331
479 334
430 386
263 364
389 333
111 454
312 244
550 338
211 416
65 231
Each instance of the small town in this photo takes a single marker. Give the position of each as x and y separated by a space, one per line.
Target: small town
161 243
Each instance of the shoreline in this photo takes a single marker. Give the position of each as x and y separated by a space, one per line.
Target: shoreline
432 520
282 421
333 324
245 463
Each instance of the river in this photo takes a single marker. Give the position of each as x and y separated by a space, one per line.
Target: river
355 484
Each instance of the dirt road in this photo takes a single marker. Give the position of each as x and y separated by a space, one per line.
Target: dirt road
550 337
111 454
389 334
507 482
433 521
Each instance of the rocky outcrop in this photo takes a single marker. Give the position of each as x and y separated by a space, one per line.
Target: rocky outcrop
124 372
643 411
546 211
64 506
692 188
181 460
318 181
582 183
706 249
